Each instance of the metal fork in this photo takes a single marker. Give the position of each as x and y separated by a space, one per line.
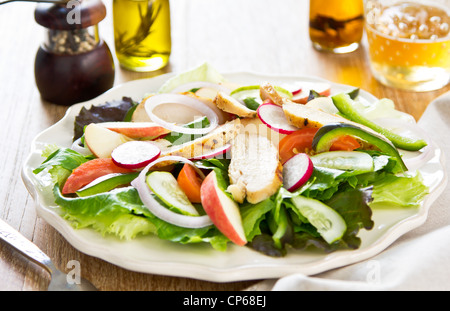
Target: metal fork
59 280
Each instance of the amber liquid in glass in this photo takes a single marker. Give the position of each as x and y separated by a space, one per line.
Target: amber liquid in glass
409 45
336 25
142 33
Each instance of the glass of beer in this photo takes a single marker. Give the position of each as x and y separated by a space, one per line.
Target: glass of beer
409 43
142 35
336 25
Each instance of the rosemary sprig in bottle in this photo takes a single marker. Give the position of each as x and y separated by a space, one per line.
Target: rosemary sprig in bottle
132 46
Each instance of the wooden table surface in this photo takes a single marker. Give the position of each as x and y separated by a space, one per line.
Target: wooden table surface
234 35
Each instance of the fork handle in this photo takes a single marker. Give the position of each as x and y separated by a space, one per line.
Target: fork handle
25 246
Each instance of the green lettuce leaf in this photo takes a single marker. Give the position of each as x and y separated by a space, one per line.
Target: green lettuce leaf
404 191
180 138
352 205
204 73
60 163
283 227
253 214
121 213
325 182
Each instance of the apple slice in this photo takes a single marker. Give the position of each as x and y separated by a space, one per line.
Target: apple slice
301 97
102 141
137 130
223 211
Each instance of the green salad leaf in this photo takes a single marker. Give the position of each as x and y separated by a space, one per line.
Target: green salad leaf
121 213
117 110
252 216
60 163
352 205
205 72
176 138
404 191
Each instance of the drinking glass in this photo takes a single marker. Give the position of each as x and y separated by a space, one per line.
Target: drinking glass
142 33
336 25
409 43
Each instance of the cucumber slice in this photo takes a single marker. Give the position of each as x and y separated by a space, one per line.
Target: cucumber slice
326 220
166 188
327 134
106 183
354 161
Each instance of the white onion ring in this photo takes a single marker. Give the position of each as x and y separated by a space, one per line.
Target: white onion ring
194 85
162 212
77 147
162 99
418 158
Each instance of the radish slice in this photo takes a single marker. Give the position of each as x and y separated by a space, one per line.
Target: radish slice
295 88
298 91
296 171
167 99
135 154
273 116
200 84
162 212
214 153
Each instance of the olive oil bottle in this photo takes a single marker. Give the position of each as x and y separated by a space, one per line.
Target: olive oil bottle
142 33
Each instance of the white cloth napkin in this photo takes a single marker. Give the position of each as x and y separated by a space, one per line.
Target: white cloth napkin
418 261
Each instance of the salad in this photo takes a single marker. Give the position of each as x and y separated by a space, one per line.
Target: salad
203 160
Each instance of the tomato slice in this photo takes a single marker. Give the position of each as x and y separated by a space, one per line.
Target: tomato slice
345 143
298 142
301 142
190 183
89 171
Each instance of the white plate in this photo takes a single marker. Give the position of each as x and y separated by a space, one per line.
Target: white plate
152 255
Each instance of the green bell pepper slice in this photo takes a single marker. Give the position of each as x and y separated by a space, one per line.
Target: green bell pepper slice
343 103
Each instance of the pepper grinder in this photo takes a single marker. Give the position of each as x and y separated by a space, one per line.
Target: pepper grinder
73 64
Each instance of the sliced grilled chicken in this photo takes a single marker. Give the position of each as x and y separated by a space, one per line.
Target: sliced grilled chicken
256 126
231 105
139 114
267 91
304 116
219 137
255 171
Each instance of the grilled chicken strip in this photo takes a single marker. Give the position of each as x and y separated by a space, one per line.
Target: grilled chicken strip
233 106
255 171
219 137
